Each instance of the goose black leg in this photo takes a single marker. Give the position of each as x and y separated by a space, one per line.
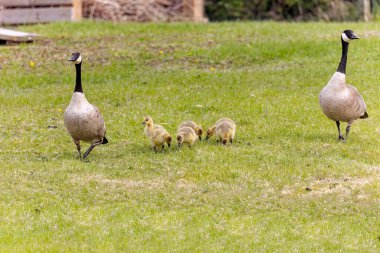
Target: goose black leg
348 130
77 143
340 134
93 145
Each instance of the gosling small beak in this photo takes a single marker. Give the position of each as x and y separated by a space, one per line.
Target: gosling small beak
143 123
169 145
207 138
200 138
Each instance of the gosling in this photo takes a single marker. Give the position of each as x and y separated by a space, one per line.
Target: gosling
197 128
156 134
149 126
224 130
186 135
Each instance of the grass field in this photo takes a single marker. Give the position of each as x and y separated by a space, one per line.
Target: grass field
247 197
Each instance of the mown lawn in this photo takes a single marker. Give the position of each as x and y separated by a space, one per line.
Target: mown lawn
247 197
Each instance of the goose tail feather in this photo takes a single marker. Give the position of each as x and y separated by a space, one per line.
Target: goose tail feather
364 116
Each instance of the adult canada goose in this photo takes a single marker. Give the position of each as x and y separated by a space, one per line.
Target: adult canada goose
224 129
338 100
83 120
197 128
186 135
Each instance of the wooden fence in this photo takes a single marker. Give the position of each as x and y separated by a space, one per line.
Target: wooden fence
39 11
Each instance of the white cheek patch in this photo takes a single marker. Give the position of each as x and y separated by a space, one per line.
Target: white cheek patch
345 38
79 60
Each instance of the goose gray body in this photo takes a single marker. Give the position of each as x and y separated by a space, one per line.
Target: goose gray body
340 101
83 120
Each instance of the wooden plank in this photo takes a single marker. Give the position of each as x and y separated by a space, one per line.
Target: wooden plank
12 35
77 10
27 3
35 15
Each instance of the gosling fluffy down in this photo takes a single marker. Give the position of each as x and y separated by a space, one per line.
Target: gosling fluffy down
156 134
224 130
186 135
197 128
150 126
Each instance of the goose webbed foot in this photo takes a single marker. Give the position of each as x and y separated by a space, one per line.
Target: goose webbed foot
341 138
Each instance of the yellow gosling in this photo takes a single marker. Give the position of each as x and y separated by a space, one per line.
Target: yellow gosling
186 135
197 128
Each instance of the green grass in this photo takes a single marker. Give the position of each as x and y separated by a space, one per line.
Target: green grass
247 197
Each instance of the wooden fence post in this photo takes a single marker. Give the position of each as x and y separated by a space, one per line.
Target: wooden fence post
198 10
365 9
77 10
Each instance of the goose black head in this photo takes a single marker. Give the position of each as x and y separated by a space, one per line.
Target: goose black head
349 35
76 58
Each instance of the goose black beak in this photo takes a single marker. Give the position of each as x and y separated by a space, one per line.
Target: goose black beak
143 123
207 138
354 37
71 59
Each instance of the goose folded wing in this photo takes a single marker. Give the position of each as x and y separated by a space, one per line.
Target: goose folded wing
356 101
100 121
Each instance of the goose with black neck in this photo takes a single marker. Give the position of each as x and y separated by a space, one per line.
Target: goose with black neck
339 101
83 120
